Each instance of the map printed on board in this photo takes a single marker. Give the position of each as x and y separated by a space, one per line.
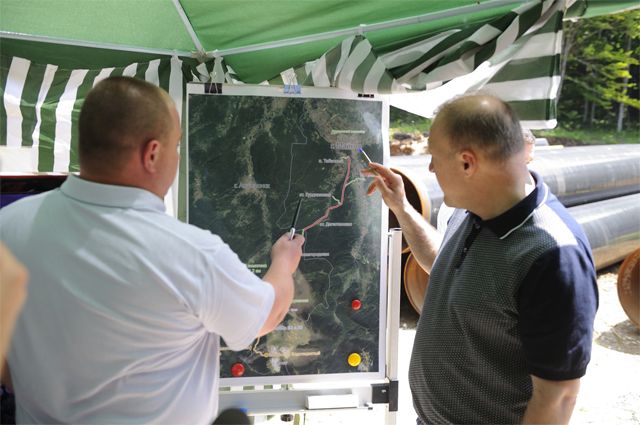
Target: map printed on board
250 159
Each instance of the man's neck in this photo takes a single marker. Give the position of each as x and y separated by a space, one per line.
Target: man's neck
501 191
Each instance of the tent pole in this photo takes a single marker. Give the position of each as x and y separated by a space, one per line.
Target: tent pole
81 43
192 33
367 27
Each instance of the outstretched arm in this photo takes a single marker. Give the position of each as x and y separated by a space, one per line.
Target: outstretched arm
285 257
421 236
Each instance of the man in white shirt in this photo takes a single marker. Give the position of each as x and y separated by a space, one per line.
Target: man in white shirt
127 305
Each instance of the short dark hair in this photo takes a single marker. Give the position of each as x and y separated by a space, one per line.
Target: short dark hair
119 115
484 122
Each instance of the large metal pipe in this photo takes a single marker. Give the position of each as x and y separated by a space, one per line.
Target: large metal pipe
612 227
583 174
576 175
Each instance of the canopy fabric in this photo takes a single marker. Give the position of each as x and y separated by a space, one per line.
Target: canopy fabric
507 47
157 26
526 74
42 104
250 27
515 56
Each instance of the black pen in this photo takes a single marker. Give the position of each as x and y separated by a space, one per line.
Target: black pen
292 231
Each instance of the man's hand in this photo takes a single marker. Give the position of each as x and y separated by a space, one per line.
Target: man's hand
389 184
286 253
285 257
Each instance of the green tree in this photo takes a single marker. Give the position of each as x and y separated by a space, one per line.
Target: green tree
601 71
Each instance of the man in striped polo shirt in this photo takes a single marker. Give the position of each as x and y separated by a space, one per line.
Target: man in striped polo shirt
506 329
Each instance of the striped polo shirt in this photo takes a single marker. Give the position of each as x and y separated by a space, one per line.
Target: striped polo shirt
508 297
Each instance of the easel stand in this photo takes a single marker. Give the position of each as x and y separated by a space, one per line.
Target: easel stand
305 399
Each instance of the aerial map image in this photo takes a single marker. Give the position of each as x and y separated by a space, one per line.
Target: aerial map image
252 159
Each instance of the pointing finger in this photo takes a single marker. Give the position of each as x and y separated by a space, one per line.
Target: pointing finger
385 172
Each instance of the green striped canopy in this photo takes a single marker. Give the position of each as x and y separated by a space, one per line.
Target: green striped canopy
421 52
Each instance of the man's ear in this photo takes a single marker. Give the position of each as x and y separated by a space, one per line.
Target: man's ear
151 155
469 161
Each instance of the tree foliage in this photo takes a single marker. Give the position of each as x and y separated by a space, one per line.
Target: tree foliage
600 84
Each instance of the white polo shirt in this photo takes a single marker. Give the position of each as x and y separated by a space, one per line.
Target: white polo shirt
125 308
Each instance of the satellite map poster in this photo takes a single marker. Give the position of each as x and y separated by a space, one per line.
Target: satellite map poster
252 153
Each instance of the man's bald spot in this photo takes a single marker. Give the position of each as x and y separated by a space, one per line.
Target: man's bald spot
474 103
120 115
484 122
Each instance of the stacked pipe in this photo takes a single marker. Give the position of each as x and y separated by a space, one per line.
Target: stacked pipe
599 184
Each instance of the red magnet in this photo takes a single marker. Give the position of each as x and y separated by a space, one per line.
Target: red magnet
356 304
237 369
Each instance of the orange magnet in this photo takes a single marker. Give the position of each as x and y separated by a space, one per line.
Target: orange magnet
237 369
354 359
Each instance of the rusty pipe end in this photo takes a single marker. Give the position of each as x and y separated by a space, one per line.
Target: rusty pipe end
416 282
629 287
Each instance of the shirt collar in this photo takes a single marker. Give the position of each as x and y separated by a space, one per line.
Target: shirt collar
512 219
108 195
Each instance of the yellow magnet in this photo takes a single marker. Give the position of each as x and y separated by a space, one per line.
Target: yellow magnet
354 359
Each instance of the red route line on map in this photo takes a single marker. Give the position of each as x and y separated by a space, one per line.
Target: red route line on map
326 214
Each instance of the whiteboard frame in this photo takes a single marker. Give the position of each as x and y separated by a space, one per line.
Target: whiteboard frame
324 93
